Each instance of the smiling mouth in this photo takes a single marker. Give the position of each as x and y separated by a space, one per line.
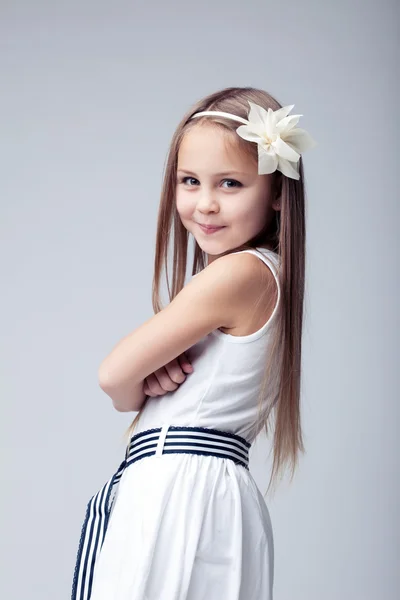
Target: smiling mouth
209 229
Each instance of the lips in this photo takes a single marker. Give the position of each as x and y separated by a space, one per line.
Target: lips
208 229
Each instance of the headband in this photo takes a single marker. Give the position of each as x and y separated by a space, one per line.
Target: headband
280 143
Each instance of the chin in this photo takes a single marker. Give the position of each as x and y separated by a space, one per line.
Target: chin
212 248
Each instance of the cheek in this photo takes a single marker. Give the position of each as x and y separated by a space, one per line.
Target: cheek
250 214
184 205
246 210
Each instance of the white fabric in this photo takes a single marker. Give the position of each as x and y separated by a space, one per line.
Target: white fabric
190 527
221 392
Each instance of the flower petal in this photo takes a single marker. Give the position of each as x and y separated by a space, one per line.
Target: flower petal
299 139
270 124
250 133
267 161
287 168
257 114
284 150
287 123
281 113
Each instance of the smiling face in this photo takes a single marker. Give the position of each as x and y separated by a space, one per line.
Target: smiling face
218 185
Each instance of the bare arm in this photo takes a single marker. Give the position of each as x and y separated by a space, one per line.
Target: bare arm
208 301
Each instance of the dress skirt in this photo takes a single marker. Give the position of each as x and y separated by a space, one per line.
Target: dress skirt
186 527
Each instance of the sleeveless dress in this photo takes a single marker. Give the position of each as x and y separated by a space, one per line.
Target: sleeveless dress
187 526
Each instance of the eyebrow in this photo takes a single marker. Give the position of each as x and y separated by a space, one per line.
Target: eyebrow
216 174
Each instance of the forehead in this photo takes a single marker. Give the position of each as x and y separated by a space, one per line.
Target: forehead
209 148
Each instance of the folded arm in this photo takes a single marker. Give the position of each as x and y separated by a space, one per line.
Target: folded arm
210 300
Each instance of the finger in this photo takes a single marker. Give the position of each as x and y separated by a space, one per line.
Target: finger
147 392
175 372
167 382
185 363
154 385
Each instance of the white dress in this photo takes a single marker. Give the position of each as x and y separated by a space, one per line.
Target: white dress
187 526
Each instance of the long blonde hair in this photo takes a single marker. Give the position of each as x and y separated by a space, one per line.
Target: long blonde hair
285 235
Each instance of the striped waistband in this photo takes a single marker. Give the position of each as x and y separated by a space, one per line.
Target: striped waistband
172 439
168 439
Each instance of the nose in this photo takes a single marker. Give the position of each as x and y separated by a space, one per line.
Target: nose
207 201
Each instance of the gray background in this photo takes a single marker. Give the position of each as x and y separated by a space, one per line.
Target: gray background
90 95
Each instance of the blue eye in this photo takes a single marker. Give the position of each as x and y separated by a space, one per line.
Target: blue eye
238 184
183 180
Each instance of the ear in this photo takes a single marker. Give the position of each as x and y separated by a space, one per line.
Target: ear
276 204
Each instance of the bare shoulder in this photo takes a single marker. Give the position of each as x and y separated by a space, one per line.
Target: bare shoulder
232 286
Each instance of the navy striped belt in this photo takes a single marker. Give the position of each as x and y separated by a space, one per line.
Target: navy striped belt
168 439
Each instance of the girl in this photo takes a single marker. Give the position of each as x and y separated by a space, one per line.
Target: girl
208 372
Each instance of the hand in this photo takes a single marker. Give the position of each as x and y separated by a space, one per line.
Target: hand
168 378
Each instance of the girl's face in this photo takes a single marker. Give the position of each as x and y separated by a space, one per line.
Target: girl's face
218 185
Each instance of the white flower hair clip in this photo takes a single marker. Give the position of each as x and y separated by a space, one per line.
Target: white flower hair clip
280 142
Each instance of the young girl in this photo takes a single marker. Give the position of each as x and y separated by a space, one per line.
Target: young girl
209 371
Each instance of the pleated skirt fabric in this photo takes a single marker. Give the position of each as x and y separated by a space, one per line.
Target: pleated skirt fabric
186 527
